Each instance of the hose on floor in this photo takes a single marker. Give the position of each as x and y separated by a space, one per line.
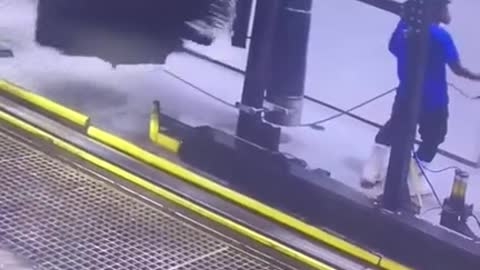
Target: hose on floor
317 125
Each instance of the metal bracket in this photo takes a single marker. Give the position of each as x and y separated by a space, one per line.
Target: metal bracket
456 219
268 107
272 107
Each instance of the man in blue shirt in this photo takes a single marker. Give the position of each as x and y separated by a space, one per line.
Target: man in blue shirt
434 112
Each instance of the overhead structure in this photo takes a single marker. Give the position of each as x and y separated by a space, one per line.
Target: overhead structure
129 32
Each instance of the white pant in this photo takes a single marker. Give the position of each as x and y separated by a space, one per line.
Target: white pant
375 172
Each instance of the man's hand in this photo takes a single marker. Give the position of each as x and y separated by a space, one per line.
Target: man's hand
461 71
474 77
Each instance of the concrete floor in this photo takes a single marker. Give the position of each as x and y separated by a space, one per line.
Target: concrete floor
120 99
9 261
348 57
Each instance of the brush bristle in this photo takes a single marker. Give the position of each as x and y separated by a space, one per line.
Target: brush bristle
130 31
218 17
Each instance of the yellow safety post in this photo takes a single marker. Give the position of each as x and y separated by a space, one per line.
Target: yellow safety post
459 188
156 136
154 127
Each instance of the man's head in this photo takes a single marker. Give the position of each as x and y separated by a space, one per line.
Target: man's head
441 11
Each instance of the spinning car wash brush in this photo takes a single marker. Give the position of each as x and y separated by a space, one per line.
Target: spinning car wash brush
129 32
434 111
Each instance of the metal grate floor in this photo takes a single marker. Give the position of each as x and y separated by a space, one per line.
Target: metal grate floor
55 217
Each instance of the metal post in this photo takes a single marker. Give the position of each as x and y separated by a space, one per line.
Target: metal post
242 23
251 126
417 15
287 85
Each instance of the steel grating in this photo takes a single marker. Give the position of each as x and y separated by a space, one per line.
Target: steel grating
55 216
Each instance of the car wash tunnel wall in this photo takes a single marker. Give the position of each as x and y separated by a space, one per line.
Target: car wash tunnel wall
76 196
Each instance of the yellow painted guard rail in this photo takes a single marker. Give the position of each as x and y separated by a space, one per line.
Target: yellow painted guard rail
240 199
168 143
178 200
43 103
165 165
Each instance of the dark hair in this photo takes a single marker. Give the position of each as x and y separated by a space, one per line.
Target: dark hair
436 3
439 6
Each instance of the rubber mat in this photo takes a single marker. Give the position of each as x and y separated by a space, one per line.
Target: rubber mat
56 216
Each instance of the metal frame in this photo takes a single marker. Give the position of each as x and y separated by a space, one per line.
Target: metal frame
251 126
417 15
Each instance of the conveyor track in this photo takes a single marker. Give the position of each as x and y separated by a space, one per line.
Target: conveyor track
54 215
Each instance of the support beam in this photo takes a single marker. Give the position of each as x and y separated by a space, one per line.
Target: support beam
417 15
251 126
287 85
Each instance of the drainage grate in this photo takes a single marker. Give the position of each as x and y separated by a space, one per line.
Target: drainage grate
56 217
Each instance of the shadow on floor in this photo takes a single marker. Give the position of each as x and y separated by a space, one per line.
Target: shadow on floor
86 96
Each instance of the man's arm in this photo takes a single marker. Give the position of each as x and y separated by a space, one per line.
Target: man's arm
460 70
453 58
395 40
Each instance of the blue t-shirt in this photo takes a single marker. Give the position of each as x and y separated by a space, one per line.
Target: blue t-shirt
442 51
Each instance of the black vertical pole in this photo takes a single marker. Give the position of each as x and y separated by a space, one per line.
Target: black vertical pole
242 23
287 86
417 16
251 127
